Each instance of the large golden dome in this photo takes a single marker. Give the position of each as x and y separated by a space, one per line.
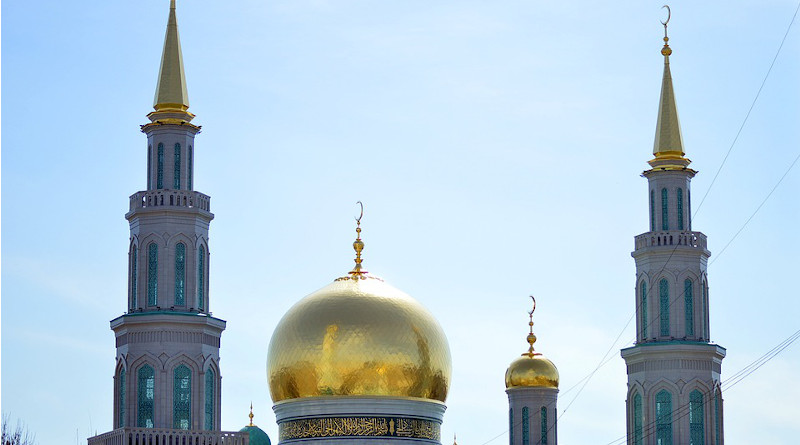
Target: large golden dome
358 336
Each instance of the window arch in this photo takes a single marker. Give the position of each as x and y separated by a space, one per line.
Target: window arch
134 275
176 175
643 303
201 279
182 398
180 274
543 439
638 436
696 427
663 418
189 167
664 210
689 307
525 426
652 210
209 423
663 296
680 208
121 401
146 387
152 274
160 167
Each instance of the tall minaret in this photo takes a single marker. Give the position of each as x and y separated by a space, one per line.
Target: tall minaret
532 388
673 369
167 373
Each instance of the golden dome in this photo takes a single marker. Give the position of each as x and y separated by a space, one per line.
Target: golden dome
358 336
532 371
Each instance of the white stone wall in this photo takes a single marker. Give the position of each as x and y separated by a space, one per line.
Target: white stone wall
534 399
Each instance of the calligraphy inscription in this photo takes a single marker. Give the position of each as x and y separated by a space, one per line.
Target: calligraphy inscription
359 426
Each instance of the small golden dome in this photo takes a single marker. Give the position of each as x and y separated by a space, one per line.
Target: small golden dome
358 336
532 371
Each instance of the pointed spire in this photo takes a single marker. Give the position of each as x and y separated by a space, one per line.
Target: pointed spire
531 336
171 94
358 246
668 146
251 409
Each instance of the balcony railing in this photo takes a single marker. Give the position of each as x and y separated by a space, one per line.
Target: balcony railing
170 198
157 436
695 240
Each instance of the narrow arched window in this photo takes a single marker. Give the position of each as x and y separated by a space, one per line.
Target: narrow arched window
643 303
663 418
209 400
688 296
134 274
689 207
160 167
121 406
696 429
638 436
511 426
182 398
680 209
146 389
717 418
176 175
149 167
152 274
652 210
201 281
663 296
705 311
189 168
543 439
525 426
180 274
664 210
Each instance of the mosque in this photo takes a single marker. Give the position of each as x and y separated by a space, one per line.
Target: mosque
361 362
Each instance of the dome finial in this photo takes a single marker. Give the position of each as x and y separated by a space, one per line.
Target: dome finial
251 414
531 337
358 246
666 51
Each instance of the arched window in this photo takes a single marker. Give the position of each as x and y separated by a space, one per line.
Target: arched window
121 407
134 274
146 388
643 303
201 279
652 210
543 440
152 274
176 175
664 210
209 400
149 166
638 436
511 426
160 167
180 274
663 296
525 426
689 303
680 209
717 418
663 418
696 429
189 167
689 207
182 398
705 311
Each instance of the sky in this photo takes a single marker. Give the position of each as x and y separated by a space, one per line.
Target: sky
497 148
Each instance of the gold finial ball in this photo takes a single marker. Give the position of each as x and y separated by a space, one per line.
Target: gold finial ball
358 245
531 338
666 51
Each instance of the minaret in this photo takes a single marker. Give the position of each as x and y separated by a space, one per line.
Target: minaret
532 388
167 374
673 369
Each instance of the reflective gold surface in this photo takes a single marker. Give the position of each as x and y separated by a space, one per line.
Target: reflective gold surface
532 370
358 337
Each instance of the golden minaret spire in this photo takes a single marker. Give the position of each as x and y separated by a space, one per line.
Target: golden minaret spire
531 336
171 94
668 146
251 403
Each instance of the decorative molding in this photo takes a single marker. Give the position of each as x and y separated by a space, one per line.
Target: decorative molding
398 427
168 337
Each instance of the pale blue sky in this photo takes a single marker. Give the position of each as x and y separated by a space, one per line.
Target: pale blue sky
497 147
